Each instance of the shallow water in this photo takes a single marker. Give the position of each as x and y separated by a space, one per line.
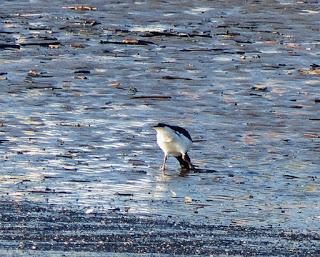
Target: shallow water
239 79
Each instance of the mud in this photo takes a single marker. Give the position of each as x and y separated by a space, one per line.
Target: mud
81 87
46 229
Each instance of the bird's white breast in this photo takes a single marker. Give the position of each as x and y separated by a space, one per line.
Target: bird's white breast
172 142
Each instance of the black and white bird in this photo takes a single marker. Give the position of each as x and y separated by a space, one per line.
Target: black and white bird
175 141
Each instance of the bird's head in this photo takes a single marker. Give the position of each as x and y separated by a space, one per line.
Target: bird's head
159 125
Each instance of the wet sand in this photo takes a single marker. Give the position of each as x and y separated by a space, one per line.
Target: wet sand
81 87
46 229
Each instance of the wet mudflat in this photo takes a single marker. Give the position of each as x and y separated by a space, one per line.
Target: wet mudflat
81 86
46 229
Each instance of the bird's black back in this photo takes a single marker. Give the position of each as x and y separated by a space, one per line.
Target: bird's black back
176 129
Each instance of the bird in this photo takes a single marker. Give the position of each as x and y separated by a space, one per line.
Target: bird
175 141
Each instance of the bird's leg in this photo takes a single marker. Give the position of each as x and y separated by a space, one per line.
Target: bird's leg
163 166
186 158
183 164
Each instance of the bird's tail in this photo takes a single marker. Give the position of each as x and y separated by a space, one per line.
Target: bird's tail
185 164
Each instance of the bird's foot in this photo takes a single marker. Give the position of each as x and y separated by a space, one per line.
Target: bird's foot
191 166
163 167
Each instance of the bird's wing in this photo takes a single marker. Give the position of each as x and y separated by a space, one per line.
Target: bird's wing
181 131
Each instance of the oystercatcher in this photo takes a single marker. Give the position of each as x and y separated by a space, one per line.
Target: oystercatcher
175 141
